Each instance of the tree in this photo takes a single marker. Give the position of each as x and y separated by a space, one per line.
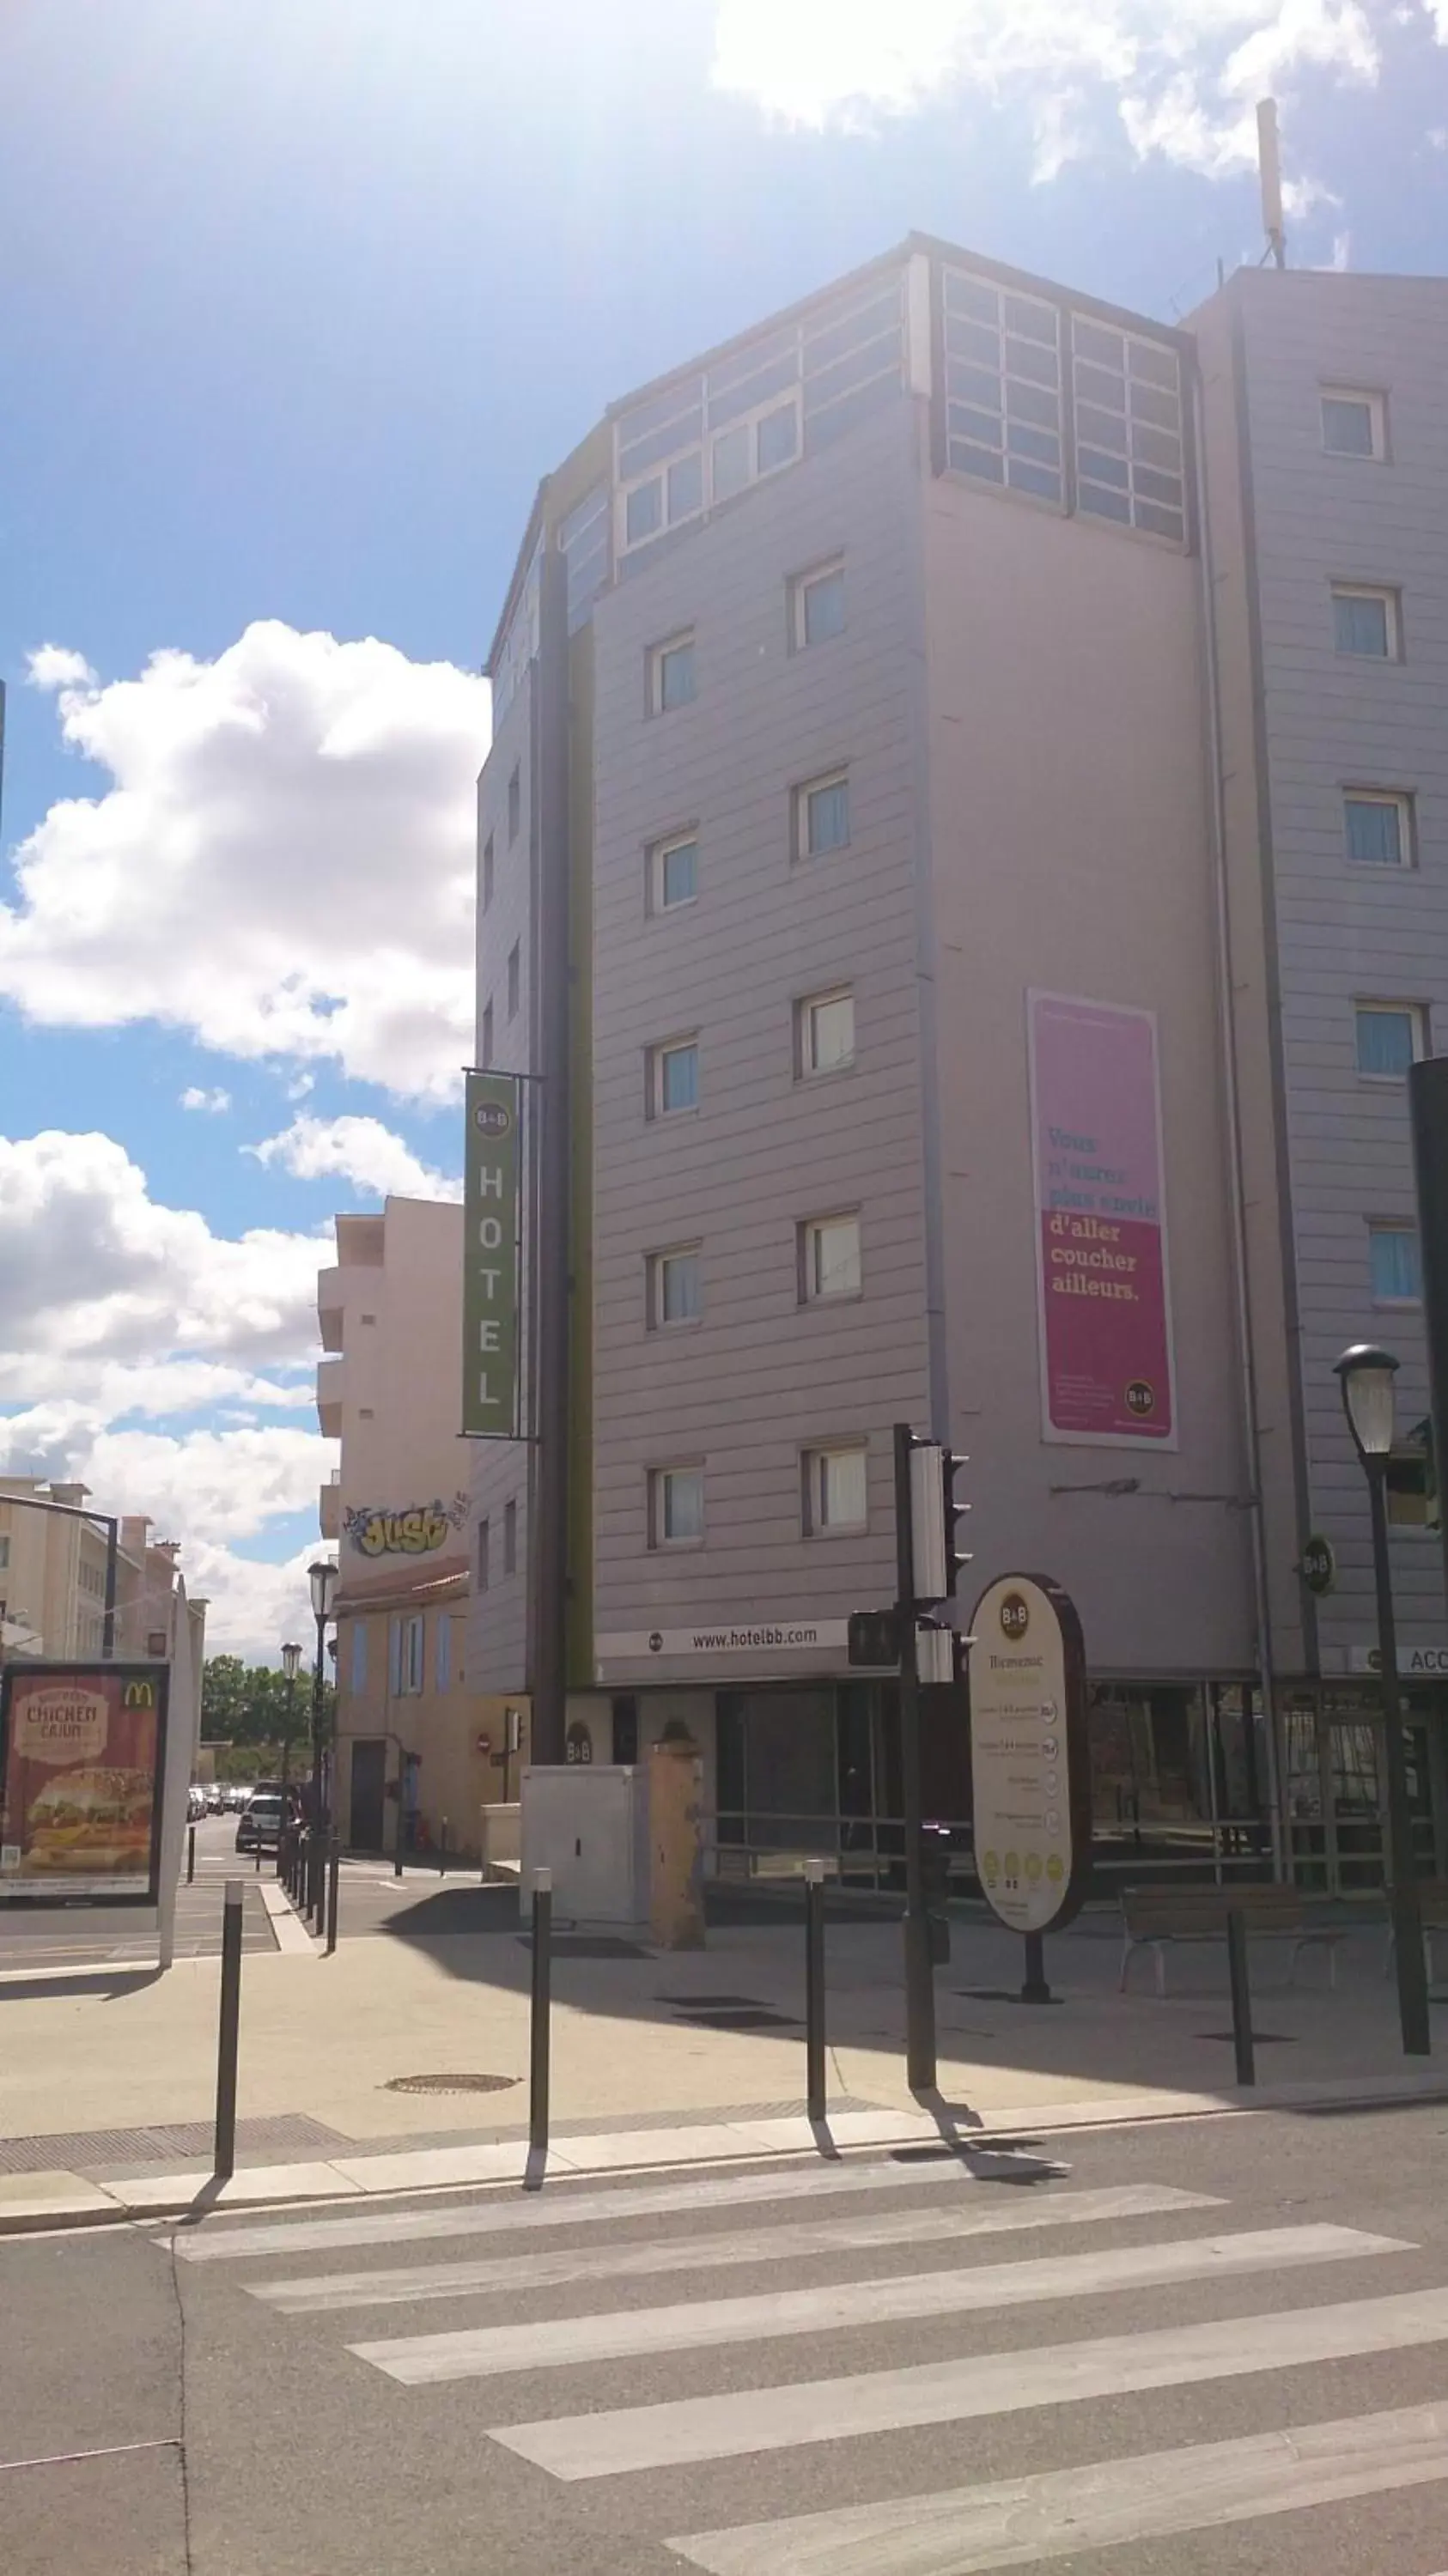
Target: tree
250 1705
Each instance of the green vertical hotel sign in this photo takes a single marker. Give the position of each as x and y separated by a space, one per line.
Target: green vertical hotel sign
490 1257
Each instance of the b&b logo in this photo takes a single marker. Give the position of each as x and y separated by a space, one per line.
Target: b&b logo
1015 1617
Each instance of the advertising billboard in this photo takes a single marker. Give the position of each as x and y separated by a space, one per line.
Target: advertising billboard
491 1177
82 1761
1101 1256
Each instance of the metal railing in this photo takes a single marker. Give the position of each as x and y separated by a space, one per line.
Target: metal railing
866 1854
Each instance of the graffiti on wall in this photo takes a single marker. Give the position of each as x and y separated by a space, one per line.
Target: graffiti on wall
419 1529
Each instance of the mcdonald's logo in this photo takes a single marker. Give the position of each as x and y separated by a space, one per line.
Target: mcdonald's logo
140 1695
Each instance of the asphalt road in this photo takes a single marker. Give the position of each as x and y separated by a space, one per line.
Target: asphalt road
80 1936
945 2364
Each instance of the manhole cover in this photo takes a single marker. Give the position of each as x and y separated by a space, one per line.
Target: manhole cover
1263 2038
449 2083
752 2017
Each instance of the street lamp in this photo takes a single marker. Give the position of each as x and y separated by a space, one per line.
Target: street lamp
1366 1376
323 1579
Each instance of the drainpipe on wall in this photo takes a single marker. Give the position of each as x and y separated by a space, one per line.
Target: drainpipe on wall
1232 1106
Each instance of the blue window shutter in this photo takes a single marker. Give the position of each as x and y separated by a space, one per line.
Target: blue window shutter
394 1656
359 1654
443 1674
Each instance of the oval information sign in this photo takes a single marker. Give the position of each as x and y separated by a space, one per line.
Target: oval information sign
1030 1766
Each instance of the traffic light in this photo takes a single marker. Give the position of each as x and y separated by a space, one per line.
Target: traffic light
935 1511
953 1468
874 1639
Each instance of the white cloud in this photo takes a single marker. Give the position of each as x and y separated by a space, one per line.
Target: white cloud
53 667
253 1606
359 1150
120 1321
282 866
1183 76
102 1289
214 1103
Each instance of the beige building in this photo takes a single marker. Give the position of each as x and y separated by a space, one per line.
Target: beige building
53 1584
411 1734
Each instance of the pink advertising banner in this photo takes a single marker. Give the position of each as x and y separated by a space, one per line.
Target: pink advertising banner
1106 1356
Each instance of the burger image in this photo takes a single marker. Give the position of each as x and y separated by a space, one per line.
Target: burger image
95 1822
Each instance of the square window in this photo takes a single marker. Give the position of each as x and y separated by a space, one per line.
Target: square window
673 1077
510 1538
673 873
410 1654
1379 828
643 511
487 871
484 1553
515 979
674 1287
825 1032
1389 1038
1365 622
830 1257
671 674
1354 424
822 816
834 1490
515 806
1396 1265
778 438
676 1506
686 487
485 1051
818 606
729 467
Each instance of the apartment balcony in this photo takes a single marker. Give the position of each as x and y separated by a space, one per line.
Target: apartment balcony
329 1308
329 1508
331 1385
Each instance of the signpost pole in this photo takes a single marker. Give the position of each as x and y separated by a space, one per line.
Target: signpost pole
1035 1990
919 1974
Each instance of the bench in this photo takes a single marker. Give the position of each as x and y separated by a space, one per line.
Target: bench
1152 1918
1432 1895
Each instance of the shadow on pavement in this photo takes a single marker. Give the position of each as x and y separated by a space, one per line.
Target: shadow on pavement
59 1982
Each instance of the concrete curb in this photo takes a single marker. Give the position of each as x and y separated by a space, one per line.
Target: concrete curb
32 2204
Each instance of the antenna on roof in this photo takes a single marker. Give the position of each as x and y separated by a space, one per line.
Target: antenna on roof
1269 163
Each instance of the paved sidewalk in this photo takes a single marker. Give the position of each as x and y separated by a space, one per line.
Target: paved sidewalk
678 2042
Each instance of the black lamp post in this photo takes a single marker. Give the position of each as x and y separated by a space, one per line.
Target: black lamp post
291 1666
1366 1376
323 1579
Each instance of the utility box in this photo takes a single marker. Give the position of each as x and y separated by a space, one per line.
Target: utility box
588 1822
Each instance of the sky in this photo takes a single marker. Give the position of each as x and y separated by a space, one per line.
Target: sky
300 302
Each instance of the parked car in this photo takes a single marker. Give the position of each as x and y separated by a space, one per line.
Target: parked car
195 1803
215 1798
259 1824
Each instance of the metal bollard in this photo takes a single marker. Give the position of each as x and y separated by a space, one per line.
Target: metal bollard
538 2050
334 1874
814 1989
224 2153
1241 1995
190 1854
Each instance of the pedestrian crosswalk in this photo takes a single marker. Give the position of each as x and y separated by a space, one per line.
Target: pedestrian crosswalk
1144 2288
